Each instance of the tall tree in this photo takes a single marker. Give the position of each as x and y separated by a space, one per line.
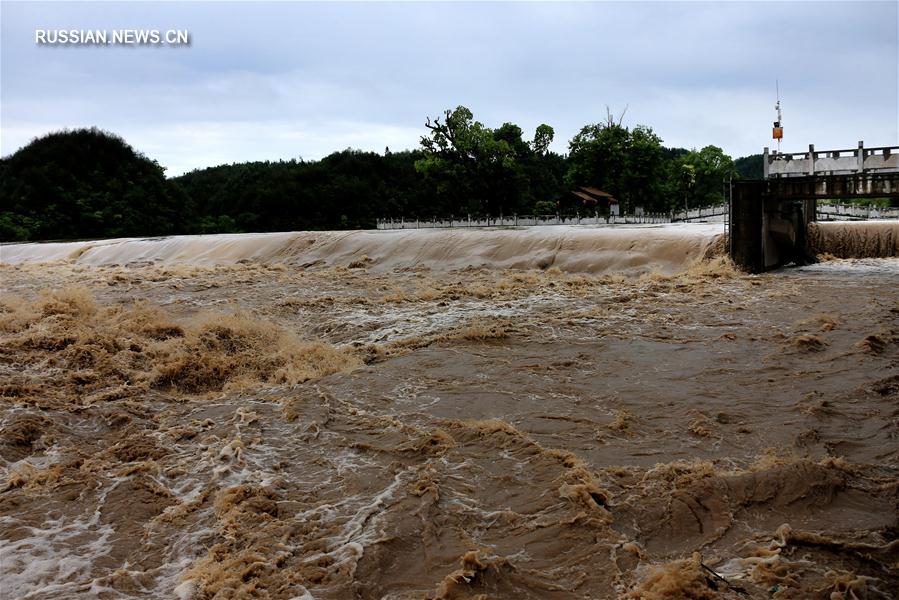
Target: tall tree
543 137
712 168
629 164
643 177
473 168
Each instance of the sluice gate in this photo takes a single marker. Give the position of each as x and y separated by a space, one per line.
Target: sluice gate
769 218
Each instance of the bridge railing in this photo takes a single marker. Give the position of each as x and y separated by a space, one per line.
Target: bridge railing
831 162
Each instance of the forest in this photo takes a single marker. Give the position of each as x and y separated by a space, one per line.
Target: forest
90 183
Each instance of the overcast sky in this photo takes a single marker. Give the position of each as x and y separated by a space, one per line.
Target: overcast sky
288 80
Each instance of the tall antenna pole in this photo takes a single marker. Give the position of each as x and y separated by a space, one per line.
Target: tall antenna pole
778 127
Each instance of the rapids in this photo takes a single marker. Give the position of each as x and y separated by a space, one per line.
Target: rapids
447 414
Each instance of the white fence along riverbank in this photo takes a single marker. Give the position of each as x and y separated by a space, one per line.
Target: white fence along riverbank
843 212
825 212
536 220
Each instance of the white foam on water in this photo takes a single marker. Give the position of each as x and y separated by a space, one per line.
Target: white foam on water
305 595
854 266
361 527
55 556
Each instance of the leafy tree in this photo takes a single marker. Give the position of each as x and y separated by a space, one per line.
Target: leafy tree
629 164
687 182
545 207
472 168
711 167
543 137
643 177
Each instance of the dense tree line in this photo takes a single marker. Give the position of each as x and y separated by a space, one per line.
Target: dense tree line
345 190
89 183
750 167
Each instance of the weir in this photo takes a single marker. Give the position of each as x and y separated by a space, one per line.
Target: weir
770 218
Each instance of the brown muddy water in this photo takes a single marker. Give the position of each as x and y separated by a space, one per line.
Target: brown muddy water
287 427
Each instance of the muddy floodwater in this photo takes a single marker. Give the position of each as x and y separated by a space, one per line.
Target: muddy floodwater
650 425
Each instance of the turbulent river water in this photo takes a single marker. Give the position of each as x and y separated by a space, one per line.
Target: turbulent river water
544 413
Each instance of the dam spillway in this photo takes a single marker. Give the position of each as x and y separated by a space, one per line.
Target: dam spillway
626 249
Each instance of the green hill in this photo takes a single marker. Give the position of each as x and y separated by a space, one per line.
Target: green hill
86 183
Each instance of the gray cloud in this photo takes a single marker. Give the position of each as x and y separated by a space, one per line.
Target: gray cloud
282 80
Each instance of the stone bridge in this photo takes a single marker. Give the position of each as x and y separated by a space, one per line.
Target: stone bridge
769 217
